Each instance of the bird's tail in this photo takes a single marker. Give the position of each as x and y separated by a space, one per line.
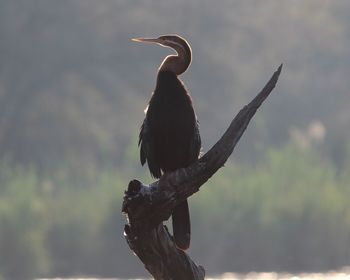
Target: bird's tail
182 225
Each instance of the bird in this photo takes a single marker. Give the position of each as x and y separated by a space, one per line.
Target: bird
169 137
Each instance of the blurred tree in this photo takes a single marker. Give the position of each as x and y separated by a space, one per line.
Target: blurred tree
70 78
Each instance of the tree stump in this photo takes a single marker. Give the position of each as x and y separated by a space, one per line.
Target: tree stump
146 207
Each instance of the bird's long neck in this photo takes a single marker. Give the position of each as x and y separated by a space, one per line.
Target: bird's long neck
179 63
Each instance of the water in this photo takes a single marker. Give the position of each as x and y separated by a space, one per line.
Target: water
285 276
331 275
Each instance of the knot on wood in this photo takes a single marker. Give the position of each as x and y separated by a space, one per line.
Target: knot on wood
133 187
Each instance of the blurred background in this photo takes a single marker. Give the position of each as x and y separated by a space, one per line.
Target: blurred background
73 87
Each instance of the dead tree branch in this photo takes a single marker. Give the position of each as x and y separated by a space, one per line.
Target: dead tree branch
147 207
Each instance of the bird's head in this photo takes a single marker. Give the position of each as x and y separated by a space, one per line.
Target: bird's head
177 64
172 41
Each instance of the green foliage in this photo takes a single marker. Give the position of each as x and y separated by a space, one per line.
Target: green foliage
73 86
23 229
288 211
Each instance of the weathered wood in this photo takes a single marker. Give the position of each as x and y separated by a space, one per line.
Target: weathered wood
147 207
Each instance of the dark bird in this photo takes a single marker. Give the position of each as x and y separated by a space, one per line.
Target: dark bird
169 136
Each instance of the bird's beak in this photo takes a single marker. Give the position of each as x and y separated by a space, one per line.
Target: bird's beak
147 40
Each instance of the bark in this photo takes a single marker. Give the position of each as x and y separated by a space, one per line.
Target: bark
146 207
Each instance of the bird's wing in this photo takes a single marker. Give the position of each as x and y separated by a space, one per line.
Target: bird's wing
143 142
196 143
147 150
